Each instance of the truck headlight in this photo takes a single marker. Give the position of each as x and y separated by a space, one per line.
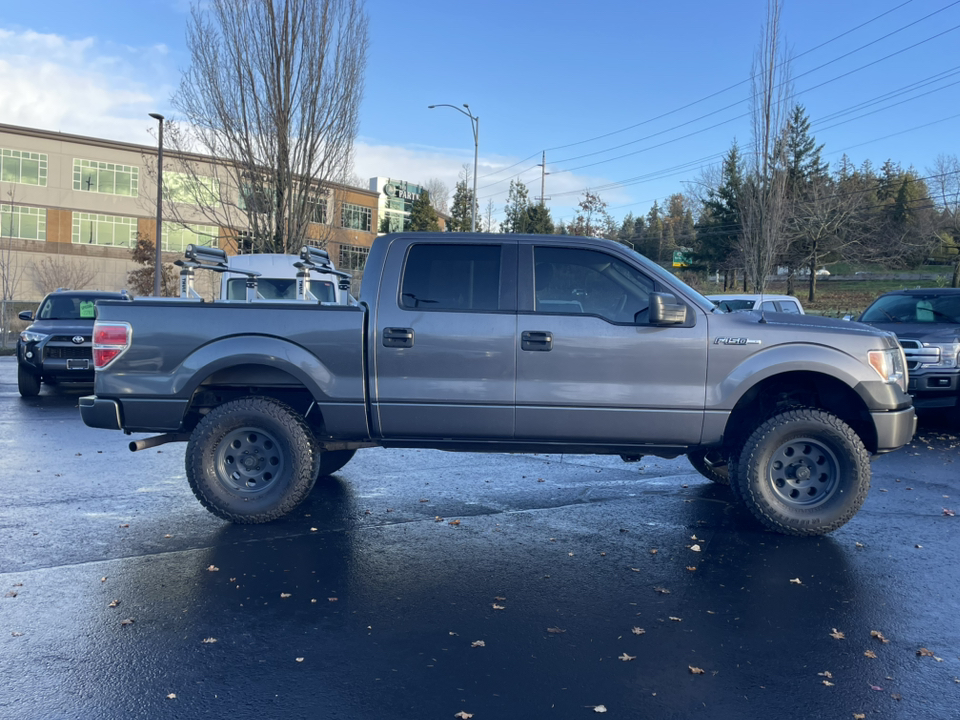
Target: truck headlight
890 366
32 337
949 356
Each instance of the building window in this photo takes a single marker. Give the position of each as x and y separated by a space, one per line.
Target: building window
353 257
110 230
318 210
356 217
177 237
107 178
191 189
23 223
26 168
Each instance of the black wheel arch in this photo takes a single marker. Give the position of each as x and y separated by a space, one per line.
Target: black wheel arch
801 389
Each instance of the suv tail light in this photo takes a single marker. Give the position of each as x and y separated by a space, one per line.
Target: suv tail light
110 341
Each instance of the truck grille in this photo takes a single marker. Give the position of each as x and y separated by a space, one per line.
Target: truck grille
70 353
917 355
68 339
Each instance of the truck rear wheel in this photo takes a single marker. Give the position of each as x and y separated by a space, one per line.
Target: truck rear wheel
803 472
331 461
27 383
710 463
251 460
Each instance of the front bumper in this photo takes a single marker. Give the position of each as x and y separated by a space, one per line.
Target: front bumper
894 429
99 413
933 389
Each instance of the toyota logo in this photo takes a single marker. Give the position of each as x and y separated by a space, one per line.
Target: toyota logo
77 339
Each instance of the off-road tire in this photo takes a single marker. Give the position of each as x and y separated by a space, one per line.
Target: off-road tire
803 472
251 460
27 383
710 463
331 461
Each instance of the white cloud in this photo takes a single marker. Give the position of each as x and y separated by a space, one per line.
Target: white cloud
77 86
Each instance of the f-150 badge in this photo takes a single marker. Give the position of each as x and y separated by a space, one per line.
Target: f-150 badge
735 341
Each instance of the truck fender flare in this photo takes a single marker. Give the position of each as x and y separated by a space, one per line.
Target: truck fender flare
799 357
253 350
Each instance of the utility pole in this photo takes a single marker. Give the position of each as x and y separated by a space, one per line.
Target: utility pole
543 179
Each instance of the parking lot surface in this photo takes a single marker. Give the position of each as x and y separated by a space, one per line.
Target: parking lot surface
424 584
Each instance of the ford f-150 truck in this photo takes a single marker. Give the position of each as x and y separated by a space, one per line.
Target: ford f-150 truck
505 343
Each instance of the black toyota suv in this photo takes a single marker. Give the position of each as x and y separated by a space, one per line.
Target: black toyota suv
58 346
926 321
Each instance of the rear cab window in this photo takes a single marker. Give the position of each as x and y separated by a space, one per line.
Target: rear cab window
452 277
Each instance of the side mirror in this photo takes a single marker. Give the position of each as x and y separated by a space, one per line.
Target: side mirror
665 310
26 315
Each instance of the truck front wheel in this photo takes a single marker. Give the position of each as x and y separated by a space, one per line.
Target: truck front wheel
803 472
27 383
251 460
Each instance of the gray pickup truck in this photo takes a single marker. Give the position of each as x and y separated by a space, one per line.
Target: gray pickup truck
505 343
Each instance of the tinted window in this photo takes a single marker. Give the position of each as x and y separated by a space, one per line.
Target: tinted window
279 289
768 306
452 277
789 307
60 307
734 305
588 282
914 309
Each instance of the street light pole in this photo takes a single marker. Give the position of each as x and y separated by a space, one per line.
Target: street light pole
475 126
158 268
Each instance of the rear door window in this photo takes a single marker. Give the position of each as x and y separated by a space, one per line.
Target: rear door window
457 277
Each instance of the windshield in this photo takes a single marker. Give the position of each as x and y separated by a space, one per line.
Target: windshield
72 307
279 289
918 308
734 305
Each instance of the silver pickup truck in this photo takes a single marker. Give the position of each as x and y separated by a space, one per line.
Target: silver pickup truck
505 343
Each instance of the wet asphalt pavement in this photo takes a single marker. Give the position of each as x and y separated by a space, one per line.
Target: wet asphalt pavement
421 584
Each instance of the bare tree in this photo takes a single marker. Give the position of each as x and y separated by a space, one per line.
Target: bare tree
945 189
273 94
10 272
59 271
439 195
764 201
488 223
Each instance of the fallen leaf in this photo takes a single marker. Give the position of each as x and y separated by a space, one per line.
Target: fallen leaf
691 568
332 599
114 603
599 708
213 568
653 551
498 607
128 621
837 635
313 529
870 654
11 594
879 636
695 548
125 525
695 670
172 696
693 537
454 522
168 536
676 619
877 688
859 716
938 659
299 659
424 500
463 715
859 545
828 683
627 658
796 581
635 569
438 519
948 512
478 643
661 590
555 630
103 579
16 634
209 640
285 595
638 631
896 696
919 547
826 674
923 652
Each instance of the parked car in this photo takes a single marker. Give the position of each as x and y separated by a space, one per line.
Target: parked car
509 343
926 321
768 303
58 346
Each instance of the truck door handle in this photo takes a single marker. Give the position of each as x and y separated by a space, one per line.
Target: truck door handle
398 337
536 341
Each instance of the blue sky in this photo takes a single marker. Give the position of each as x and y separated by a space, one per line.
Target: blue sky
660 82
